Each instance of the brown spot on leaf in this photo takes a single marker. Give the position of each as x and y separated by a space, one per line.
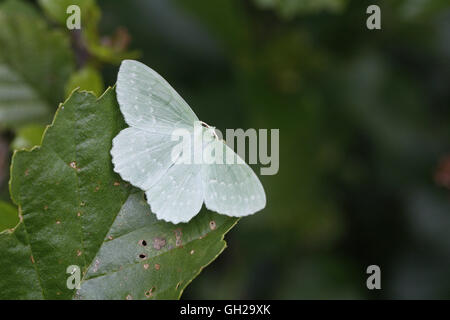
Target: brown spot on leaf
116 183
27 172
178 234
97 263
32 259
45 207
149 293
157 266
58 222
146 266
73 165
192 251
129 297
78 214
158 243
97 188
79 253
110 237
212 225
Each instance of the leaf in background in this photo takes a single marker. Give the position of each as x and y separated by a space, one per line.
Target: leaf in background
28 137
228 20
420 9
8 216
288 9
35 63
77 211
105 51
88 79
4 165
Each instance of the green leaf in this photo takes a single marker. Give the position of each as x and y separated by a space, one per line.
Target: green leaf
88 79
35 64
28 137
8 216
76 211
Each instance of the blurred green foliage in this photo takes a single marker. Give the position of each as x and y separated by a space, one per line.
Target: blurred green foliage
28 136
88 79
35 63
103 49
8 216
364 135
290 8
40 64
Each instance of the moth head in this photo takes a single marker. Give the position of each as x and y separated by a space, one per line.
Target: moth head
210 131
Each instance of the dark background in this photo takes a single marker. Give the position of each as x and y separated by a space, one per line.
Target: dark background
364 136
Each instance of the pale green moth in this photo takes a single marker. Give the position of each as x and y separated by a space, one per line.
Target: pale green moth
142 154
